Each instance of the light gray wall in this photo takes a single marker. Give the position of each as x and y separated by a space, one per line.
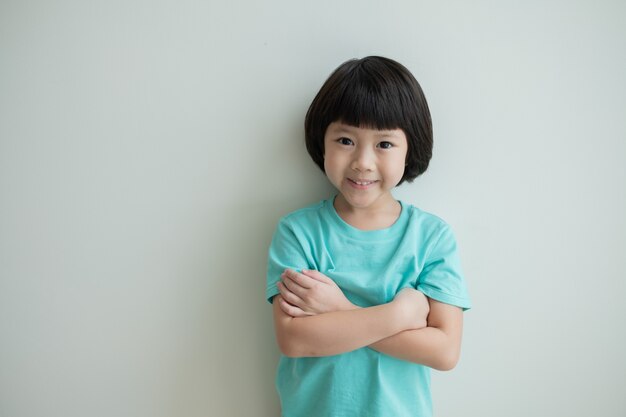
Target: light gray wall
147 149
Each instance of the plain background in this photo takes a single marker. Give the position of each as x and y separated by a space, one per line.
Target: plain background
147 149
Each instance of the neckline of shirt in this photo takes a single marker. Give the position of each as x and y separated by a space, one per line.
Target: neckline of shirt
387 233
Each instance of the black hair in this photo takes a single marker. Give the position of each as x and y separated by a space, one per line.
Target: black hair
377 93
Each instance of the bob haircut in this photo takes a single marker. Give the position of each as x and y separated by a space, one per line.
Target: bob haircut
377 93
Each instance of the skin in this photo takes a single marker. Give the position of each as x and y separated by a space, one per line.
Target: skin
312 316
374 156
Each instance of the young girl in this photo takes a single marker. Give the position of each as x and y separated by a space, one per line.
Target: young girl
367 291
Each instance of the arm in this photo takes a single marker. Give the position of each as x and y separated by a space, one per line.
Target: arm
337 332
437 346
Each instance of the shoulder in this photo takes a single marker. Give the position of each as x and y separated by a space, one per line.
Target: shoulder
427 223
430 231
310 211
304 218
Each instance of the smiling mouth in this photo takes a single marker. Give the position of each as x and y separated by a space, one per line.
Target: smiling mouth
361 183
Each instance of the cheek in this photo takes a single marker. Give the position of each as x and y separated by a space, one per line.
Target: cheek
333 167
329 166
396 170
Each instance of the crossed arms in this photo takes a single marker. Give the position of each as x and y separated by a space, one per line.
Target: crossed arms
312 317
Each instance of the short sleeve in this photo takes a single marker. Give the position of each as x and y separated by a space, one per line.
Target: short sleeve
442 278
285 252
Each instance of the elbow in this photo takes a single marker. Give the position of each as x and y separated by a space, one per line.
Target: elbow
288 349
446 361
289 346
296 350
445 365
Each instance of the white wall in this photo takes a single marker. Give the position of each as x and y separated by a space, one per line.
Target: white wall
147 149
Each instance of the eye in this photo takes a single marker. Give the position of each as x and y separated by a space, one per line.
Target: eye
385 145
345 141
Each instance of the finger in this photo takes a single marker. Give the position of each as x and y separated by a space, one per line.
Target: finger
298 278
316 275
290 310
293 287
289 296
295 281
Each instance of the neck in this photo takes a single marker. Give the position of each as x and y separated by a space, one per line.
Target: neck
380 216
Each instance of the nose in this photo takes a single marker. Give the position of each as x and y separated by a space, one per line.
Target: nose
364 160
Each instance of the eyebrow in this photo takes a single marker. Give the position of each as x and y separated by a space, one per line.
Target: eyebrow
351 130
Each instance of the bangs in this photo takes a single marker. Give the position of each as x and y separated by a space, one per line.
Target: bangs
368 99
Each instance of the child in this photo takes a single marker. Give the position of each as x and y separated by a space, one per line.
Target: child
367 291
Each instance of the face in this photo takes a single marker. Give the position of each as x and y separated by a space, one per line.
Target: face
364 164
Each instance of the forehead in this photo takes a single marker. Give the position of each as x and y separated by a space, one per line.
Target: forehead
339 127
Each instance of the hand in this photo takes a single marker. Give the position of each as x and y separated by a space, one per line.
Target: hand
414 307
310 293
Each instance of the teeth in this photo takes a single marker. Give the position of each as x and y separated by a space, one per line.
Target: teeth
363 182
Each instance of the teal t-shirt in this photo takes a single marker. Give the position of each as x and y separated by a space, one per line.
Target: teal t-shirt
418 251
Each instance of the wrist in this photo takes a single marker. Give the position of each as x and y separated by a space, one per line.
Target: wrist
402 314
